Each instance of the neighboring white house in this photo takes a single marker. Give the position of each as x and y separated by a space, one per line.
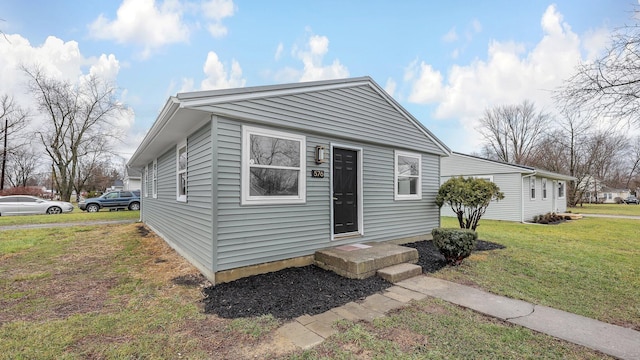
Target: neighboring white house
527 191
256 177
132 182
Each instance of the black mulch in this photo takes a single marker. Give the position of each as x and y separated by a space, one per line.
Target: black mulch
292 292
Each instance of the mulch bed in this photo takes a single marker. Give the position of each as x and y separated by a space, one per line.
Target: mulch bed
292 292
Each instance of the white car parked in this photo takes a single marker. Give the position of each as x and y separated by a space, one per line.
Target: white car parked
29 205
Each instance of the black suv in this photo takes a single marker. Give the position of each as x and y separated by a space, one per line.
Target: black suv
113 200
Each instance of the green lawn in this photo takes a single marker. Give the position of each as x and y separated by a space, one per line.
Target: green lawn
109 292
589 267
608 209
76 216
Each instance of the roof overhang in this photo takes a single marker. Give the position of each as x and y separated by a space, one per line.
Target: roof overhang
167 131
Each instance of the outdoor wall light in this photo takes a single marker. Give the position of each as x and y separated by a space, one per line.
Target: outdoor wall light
320 158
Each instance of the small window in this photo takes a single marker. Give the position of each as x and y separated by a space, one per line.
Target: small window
273 167
561 190
408 174
154 185
489 178
181 172
544 189
145 181
532 186
126 194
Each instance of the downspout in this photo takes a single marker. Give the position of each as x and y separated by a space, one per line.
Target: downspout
522 194
141 197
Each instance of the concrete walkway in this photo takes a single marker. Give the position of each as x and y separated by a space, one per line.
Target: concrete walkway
308 331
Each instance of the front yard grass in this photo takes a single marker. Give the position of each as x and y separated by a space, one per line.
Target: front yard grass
110 291
607 209
589 267
76 216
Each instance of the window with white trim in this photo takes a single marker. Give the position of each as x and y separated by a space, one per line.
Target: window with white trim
408 175
181 171
489 178
145 180
561 188
154 179
532 187
273 167
544 188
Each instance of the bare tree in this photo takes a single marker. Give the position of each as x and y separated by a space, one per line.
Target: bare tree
611 84
22 167
79 121
13 118
634 168
512 132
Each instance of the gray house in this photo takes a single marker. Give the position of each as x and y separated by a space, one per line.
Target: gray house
251 180
527 191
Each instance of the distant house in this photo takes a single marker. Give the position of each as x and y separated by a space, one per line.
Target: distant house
131 182
249 180
117 185
609 195
527 191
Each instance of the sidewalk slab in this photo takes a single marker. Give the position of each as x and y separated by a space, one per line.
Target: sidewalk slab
300 335
610 339
403 295
322 324
466 296
354 312
381 303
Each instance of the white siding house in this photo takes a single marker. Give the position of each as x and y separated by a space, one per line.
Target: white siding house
245 177
527 191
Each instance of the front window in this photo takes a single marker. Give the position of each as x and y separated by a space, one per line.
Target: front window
145 181
532 186
154 185
408 174
561 189
181 173
273 167
544 189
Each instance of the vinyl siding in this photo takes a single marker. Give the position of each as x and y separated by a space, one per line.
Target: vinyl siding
187 225
541 206
357 113
509 208
254 234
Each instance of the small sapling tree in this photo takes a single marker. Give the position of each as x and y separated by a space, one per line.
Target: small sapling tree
468 198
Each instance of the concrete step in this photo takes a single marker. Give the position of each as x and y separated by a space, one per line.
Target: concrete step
396 273
360 261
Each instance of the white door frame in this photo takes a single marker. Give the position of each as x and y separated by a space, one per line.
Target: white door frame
360 231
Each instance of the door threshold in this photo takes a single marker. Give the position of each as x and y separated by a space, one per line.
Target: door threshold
350 235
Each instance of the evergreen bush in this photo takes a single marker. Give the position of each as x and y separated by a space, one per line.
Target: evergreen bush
454 244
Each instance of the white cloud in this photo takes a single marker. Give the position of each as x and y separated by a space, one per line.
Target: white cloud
427 88
279 50
312 59
143 23
450 36
217 75
510 74
60 60
217 10
390 87
476 25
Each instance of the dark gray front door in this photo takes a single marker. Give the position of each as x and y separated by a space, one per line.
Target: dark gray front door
345 191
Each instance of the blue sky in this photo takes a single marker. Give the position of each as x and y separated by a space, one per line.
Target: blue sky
444 61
